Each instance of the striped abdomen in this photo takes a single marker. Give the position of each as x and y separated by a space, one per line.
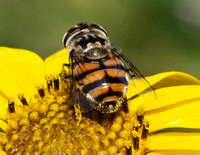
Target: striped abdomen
103 82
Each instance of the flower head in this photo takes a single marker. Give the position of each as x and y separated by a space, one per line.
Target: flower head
37 114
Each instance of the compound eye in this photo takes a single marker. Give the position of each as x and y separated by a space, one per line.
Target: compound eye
96 53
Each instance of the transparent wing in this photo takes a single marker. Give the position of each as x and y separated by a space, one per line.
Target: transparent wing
80 99
136 80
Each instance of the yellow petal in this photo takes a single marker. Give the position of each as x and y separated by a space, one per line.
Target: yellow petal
21 71
53 63
175 152
4 106
3 125
174 107
166 96
186 116
2 153
167 79
2 137
174 141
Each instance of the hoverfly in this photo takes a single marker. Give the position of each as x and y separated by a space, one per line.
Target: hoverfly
99 73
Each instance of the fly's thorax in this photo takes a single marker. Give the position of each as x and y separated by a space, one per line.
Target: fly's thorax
90 47
85 40
84 37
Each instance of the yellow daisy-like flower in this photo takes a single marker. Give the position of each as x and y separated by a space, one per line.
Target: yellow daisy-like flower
37 114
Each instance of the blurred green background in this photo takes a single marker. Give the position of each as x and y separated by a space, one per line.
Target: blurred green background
156 35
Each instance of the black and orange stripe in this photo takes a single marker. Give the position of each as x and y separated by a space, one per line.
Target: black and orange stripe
102 79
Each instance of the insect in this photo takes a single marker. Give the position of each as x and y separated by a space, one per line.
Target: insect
99 73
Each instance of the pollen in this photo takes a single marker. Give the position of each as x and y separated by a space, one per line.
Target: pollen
49 124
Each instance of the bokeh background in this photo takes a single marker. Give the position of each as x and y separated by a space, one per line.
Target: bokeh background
156 35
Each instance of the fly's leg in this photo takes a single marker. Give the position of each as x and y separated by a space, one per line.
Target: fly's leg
66 78
65 72
78 117
124 109
125 106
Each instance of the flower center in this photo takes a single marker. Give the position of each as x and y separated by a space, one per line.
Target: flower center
47 124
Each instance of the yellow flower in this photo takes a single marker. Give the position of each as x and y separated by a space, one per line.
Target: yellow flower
37 115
